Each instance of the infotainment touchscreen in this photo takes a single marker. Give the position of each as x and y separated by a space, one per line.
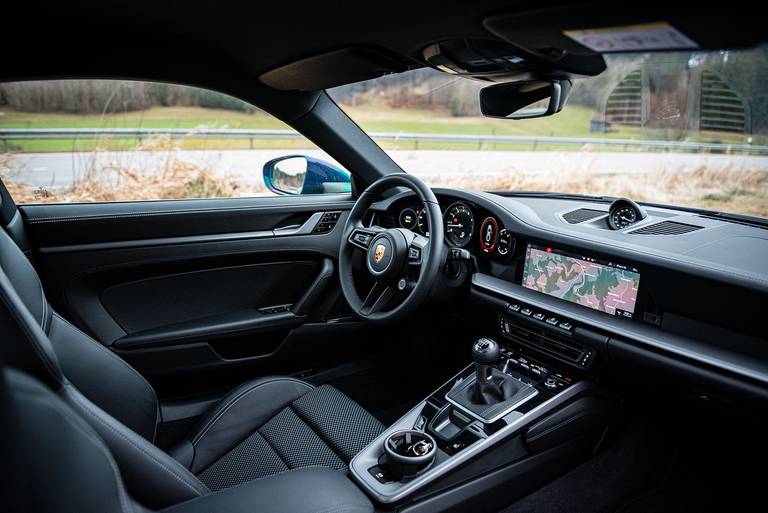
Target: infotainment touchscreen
605 286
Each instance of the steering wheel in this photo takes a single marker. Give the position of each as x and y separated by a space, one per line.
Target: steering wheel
390 254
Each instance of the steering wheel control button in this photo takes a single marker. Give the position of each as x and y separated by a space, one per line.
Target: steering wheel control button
361 239
414 255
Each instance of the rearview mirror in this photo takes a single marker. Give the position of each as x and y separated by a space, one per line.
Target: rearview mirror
524 100
297 174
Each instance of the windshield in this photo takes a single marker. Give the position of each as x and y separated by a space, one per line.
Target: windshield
677 128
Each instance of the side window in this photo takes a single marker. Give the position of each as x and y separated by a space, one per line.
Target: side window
116 140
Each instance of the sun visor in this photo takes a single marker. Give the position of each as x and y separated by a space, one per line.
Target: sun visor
331 69
569 37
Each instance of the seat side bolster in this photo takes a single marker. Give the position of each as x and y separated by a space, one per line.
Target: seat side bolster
237 416
150 475
105 378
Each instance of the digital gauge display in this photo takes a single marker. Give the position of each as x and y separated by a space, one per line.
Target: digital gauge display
489 233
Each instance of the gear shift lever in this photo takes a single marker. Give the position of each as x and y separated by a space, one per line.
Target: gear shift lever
485 353
490 391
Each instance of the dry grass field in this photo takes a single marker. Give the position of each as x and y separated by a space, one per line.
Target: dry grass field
738 191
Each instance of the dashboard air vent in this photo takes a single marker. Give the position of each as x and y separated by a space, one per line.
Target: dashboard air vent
666 228
581 215
385 220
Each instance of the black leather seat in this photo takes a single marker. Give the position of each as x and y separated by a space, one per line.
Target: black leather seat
264 427
53 461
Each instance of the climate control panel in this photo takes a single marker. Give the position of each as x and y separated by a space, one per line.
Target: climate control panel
551 335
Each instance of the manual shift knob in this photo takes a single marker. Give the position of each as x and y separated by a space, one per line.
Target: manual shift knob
485 353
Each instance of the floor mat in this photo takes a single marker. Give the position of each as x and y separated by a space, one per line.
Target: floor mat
686 461
603 484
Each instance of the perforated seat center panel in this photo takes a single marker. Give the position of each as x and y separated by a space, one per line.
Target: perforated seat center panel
322 428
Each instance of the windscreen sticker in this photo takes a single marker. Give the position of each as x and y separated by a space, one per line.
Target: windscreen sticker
649 36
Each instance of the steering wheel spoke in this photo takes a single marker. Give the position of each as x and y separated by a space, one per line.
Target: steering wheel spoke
378 298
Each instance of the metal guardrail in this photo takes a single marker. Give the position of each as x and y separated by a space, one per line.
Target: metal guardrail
10 134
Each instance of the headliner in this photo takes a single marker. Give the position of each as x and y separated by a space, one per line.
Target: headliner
225 45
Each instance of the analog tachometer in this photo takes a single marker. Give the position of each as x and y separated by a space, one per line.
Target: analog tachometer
459 224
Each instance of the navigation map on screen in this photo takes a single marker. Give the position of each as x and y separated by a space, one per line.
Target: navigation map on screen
604 286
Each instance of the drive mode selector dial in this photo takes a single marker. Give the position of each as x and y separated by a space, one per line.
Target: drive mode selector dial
489 233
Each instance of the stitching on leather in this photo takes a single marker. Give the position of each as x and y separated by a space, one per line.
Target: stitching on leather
232 401
50 367
171 472
45 306
117 358
74 422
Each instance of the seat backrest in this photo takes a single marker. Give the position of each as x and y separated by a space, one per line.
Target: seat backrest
53 460
97 372
108 394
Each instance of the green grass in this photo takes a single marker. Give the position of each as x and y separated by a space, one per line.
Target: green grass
156 117
573 121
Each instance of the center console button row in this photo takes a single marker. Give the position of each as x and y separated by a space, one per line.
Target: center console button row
540 315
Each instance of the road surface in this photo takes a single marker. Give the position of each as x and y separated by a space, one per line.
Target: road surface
58 170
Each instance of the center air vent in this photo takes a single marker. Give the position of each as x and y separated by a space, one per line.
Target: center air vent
581 215
666 228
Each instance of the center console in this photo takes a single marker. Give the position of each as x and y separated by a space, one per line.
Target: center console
511 411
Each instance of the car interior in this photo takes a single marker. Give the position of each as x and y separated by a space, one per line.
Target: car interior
374 343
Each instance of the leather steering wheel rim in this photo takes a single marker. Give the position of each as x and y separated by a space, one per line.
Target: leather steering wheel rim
431 258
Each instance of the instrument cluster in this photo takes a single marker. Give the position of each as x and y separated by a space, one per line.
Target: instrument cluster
465 227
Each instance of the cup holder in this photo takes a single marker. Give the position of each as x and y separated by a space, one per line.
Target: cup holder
409 452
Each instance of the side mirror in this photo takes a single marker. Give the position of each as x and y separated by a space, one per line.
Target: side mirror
524 100
297 174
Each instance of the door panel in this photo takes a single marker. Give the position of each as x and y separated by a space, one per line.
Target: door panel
186 290
168 299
